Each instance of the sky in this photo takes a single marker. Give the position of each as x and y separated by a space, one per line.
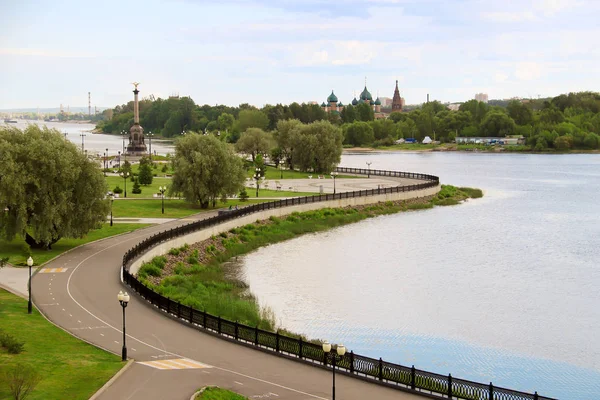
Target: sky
280 51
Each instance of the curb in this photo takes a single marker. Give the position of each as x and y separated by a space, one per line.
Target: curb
198 392
11 290
112 380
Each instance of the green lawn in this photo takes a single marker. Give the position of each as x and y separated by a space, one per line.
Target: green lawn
70 368
147 191
14 248
274 174
214 393
146 208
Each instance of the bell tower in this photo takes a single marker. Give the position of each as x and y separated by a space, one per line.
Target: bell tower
396 100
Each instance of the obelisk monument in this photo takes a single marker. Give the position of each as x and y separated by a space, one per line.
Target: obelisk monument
136 146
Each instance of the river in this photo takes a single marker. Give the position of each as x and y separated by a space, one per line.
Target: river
501 289
94 143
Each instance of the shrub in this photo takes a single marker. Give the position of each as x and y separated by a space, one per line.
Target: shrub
10 343
117 190
223 234
136 187
164 168
20 379
243 195
174 252
150 269
193 258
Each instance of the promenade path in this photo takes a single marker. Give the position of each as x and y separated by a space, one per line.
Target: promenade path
172 360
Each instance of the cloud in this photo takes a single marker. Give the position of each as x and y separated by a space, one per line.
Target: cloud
43 53
500 77
528 71
505 16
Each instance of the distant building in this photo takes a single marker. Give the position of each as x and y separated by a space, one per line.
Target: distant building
453 106
483 97
386 102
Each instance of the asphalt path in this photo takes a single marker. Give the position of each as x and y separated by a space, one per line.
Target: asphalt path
172 359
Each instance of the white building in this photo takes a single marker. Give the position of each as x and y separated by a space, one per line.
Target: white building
483 97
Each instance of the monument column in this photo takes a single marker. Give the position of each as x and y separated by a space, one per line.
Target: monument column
136 106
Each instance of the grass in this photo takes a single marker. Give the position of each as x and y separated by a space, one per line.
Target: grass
174 208
70 368
147 191
214 393
196 275
15 253
274 174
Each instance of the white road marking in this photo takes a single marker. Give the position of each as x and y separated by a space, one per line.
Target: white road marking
70 315
116 342
156 348
239 383
102 334
133 349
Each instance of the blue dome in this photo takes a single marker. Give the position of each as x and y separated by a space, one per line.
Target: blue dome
332 98
365 95
354 102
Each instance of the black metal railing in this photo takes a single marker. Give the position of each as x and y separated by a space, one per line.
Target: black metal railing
371 369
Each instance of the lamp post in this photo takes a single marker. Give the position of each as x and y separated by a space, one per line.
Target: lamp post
150 134
162 190
257 178
106 159
123 299
112 198
125 175
82 145
105 164
123 135
281 169
119 159
334 175
340 350
29 264
369 168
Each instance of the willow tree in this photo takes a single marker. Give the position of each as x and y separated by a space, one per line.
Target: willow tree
205 169
48 188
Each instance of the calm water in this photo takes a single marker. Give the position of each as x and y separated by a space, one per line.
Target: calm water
502 289
93 143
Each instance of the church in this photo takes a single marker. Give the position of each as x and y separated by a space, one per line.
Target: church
334 105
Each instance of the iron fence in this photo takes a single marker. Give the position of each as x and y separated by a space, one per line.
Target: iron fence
375 370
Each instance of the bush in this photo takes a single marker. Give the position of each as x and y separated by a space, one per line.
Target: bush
10 343
117 190
174 252
136 187
164 168
243 195
20 379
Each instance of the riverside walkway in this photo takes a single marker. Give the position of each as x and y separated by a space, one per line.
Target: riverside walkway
172 360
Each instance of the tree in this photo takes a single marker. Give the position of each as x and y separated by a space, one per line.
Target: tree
519 112
477 109
136 187
365 112
397 116
563 142
20 379
358 133
48 187
498 124
283 137
253 142
252 119
317 147
126 167
592 141
145 175
349 114
225 121
205 169
383 128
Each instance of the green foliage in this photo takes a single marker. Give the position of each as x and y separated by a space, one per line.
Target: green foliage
117 190
145 172
243 195
165 168
252 119
498 124
315 147
20 379
358 133
45 181
255 141
136 187
10 343
214 393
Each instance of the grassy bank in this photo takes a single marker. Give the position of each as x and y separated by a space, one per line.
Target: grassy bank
215 393
197 275
275 174
16 254
68 367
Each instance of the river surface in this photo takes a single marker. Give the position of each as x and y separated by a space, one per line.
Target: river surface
502 289
94 143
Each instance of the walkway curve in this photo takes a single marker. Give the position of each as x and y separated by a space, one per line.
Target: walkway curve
83 301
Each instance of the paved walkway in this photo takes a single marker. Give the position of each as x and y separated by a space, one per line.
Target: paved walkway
173 360
15 280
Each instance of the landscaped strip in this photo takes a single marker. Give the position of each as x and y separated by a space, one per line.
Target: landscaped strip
17 250
68 367
215 393
196 275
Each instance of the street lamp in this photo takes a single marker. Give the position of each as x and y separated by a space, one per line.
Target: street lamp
257 178
104 164
123 299
123 135
334 175
369 166
112 198
162 190
82 145
106 160
150 134
340 349
125 175
119 159
29 264
281 168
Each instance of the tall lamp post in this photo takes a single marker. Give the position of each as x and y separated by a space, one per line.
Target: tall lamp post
119 160
334 175
82 145
340 350
29 264
369 168
107 158
162 190
104 164
257 178
123 135
112 198
281 169
150 134
125 175
123 299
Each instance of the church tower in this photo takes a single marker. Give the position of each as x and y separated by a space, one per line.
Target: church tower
397 100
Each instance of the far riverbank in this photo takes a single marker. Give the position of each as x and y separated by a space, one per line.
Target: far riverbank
466 148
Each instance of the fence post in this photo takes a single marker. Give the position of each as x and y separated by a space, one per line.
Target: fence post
351 361
219 324
449 386
191 315
277 341
413 374
300 348
380 369
256 335
236 330
491 391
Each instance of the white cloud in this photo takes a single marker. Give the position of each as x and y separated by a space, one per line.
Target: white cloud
528 71
43 53
500 77
506 16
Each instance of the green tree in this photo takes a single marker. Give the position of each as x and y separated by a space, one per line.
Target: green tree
349 114
136 187
283 138
225 122
563 142
365 112
145 173
477 109
48 188
592 141
519 112
383 128
254 141
397 116
252 119
358 134
317 147
126 167
497 124
205 169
